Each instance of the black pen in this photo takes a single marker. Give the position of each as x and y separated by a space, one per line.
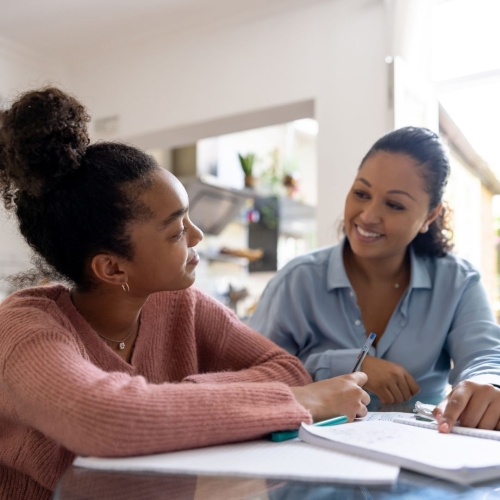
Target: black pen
364 351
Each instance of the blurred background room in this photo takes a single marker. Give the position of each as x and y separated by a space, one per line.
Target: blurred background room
264 109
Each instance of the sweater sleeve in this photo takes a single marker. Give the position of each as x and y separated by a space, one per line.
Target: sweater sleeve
54 390
233 352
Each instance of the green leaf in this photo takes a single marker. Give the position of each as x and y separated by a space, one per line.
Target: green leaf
247 163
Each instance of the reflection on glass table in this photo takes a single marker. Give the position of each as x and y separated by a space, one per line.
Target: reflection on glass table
88 484
79 483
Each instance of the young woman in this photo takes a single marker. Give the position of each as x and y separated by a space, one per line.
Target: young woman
129 359
393 275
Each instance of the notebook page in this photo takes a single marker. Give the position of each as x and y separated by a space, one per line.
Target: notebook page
388 416
441 451
286 460
464 431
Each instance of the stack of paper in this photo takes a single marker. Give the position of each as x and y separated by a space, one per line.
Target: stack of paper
287 460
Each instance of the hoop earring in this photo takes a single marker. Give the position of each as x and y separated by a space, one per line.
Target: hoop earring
125 287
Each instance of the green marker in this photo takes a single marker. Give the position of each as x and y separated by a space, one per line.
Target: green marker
286 435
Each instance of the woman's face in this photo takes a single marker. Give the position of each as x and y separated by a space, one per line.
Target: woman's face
164 253
387 206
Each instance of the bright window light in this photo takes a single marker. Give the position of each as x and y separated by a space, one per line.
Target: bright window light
466 38
307 126
476 111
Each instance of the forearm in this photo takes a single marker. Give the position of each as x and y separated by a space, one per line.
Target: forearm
473 342
276 365
92 412
241 354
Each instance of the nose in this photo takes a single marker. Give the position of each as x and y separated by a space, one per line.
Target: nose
195 235
371 213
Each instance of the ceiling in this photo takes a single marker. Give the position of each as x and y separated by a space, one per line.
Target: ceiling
61 28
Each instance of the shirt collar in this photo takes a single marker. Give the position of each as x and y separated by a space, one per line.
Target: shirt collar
420 277
337 277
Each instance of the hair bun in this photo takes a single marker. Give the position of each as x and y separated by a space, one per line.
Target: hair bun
42 139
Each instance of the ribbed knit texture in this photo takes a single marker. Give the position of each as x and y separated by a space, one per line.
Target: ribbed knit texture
198 377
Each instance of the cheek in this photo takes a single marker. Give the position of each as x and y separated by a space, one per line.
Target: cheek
408 229
348 207
176 258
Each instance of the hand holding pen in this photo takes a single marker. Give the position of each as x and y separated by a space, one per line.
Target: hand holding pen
391 382
331 401
335 400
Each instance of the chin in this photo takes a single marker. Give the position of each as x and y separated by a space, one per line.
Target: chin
365 250
189 281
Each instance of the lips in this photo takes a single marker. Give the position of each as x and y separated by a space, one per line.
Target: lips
194 260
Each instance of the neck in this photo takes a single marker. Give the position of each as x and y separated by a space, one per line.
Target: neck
112 312
389 270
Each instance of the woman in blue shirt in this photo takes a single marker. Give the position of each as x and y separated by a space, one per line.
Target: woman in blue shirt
393 275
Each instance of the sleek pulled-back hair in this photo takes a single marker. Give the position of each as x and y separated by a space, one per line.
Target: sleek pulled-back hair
425 148
72 200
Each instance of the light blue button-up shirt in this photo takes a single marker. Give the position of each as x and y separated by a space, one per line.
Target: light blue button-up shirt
442 320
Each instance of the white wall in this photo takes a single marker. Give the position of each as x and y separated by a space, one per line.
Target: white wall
332 52
20 70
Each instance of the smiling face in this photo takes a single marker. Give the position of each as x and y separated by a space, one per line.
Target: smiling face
164 254
387 206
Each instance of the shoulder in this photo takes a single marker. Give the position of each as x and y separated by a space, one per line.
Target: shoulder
172 298
451 270
451 263
187 301
39 301
309 266
25 315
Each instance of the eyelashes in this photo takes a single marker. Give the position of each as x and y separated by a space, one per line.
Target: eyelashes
362 195
178 236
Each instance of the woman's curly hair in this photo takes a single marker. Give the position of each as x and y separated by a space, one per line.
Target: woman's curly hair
72 200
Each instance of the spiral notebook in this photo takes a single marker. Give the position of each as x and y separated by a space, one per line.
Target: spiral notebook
460 458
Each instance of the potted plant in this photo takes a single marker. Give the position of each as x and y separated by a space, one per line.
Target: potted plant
247 163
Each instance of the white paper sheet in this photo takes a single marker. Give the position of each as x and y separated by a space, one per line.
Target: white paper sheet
286 460
386 416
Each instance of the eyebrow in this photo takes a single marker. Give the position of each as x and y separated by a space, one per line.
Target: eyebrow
398 191
172 218
392 191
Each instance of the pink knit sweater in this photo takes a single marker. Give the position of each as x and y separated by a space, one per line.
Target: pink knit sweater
197 377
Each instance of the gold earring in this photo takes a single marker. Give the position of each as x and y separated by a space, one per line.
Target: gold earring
125 287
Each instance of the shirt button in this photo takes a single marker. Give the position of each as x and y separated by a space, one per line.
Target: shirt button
351 293
357 322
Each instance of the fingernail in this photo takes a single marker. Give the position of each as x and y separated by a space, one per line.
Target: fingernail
444 427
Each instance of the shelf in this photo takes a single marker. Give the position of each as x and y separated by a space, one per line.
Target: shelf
296 210
220 257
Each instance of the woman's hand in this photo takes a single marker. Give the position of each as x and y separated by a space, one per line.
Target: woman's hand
389 381
474 404
335 396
